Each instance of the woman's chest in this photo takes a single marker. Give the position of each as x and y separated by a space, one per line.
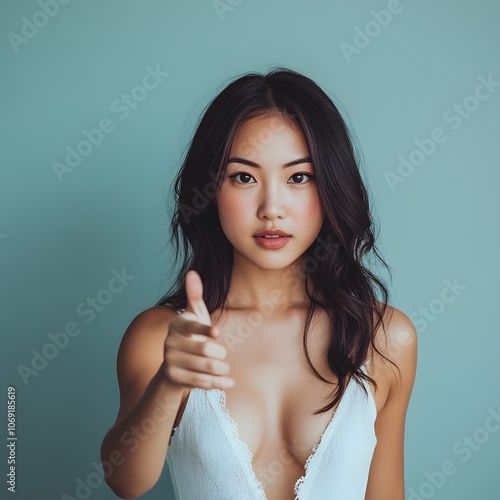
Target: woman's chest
276 392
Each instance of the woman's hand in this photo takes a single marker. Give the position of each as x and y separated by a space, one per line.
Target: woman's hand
191 359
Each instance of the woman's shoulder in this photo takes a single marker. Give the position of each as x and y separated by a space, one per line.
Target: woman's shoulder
152 325
155 317
157 313
141 354
396 338
147 332
145 336
396 332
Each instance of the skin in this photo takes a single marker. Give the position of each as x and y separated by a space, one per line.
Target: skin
275 392
268 197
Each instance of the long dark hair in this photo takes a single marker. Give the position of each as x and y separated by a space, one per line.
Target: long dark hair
341 284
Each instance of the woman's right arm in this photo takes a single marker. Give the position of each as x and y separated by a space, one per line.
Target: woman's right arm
161 354
135 447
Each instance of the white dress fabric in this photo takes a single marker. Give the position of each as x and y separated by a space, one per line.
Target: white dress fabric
208 461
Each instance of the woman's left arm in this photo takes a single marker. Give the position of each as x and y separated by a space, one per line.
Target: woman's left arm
386 478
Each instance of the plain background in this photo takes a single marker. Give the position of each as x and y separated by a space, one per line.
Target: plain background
61 238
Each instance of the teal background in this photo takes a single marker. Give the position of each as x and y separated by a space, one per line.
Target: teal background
60 241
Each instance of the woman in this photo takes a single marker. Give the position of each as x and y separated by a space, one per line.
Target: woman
271 371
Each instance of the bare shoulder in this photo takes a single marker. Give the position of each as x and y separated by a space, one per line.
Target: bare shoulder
146 331
141 354
397 340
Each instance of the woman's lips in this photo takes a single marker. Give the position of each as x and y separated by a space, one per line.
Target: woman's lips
272 243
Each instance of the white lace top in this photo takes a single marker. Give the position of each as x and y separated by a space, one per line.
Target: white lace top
208 461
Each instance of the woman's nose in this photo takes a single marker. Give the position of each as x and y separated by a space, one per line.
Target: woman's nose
272 203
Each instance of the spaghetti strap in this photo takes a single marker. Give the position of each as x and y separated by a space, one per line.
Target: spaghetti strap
365 364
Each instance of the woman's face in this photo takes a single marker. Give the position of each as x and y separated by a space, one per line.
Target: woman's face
259 191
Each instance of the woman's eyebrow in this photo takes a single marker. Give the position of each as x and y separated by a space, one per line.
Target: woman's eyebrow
237 159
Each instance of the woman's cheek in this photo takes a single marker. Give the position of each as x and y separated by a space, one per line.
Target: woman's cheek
234 210
236 207
310 209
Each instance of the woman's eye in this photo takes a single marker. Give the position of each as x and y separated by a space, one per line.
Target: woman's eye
299 177
242 175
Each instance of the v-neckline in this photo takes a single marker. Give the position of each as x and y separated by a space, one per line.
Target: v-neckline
248 456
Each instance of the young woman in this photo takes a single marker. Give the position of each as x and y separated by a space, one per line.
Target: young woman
271 370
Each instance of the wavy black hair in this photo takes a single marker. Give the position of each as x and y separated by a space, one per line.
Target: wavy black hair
341 282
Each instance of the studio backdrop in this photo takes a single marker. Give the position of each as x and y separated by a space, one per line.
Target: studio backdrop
99 101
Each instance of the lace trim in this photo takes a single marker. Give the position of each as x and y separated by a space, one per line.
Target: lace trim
297 488
246 453
299 483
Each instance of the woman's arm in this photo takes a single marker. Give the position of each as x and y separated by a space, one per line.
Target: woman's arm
386 478
135 448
